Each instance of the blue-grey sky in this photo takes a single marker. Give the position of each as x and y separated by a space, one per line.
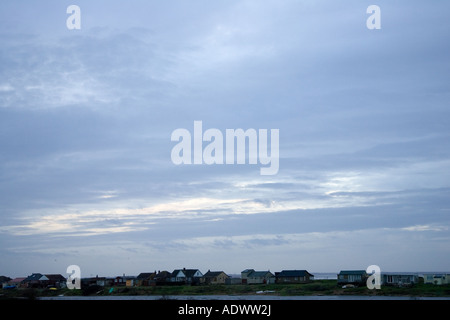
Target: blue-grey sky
86 118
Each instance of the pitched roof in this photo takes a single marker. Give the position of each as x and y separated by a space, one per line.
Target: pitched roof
212 274
163 275
248 270
55 277
145 275
36 277
260 274
293 273
175 272
17 280
189 273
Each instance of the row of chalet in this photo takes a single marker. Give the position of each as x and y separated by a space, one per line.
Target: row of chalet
359 277
176 277
35 280
248 276
196 277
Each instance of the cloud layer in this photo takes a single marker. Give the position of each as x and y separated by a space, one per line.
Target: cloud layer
86 118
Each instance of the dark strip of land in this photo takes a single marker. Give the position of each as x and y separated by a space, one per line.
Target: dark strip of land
317 287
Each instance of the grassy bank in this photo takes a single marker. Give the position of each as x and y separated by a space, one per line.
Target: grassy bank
318 287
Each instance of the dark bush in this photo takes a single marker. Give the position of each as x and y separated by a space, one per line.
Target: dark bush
92 289
30 293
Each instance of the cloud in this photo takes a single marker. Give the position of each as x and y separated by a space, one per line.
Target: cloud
87 71
86 118
78 222
6 88
421 228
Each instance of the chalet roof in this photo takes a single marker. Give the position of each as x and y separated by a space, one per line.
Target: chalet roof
122 278
189 273
175 272
259 274
399 273
145 275
248 270
17 280
343 272
293 273
98 278
55 277
212 274
35 277
163 274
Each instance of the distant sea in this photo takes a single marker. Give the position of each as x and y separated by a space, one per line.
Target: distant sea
333 276
317 275
325 275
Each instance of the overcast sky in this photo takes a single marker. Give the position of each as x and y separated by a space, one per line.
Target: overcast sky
86 117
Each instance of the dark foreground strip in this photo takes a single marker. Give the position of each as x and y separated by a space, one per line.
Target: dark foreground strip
222 309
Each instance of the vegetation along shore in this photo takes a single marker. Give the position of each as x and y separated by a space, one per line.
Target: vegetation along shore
317 287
